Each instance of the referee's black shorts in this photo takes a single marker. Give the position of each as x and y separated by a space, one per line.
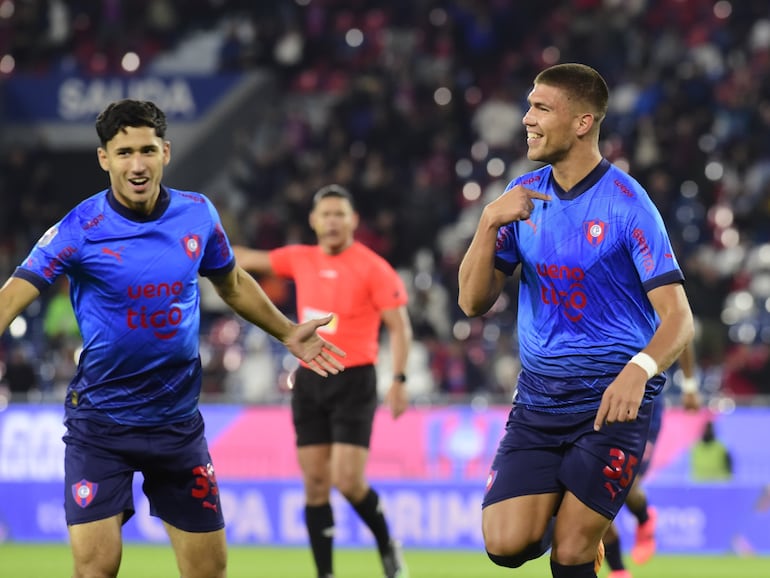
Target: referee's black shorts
335 409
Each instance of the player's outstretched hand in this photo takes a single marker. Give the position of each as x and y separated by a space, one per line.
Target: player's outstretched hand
305 343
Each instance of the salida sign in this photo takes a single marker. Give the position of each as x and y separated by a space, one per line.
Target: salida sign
78 99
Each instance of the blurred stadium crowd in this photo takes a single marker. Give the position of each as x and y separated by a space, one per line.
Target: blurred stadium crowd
416 106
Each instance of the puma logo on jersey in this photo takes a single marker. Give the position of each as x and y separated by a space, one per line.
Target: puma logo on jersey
111 253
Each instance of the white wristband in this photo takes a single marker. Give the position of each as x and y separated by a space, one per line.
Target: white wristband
647 363
689 385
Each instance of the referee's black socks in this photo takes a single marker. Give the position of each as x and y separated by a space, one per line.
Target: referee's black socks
320 528
370 511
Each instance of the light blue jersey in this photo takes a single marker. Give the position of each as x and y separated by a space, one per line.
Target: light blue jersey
134 289
588 257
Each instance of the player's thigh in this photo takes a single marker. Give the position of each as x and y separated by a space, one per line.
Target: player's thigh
577 531
179 477
199 554
96 547
600 467
511 525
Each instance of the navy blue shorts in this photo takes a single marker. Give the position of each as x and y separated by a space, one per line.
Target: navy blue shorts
549 453
179 480
656 422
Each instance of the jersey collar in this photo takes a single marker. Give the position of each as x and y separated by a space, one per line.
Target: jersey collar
160 207
589 181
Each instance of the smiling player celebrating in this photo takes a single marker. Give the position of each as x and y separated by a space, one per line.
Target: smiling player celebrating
602 312
133 254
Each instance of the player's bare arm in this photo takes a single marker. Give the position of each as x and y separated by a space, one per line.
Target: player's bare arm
15 295
400 333
479 282
623 397
245 296
691 398
253 260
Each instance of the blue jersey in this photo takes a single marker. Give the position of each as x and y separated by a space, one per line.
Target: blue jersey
134 289
588 258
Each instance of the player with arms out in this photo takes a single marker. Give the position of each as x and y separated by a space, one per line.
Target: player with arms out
333 418
601 313
133 254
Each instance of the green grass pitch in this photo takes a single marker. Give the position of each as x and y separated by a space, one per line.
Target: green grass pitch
141 561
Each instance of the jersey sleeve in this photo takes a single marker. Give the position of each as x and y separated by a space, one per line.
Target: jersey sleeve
506 249
650 247
282 260
388 289
218 257
55 253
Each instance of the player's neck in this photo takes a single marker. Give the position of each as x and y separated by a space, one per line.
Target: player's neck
573 169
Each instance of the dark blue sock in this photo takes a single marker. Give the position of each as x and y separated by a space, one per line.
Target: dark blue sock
613 555
579 571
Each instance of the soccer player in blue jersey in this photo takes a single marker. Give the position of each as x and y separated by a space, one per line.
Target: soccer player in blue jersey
601 313
133 254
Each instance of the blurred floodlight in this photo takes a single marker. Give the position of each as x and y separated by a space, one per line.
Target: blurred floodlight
461 330
130 62
689 189
442 96
464 168
714 171
18 327
495 167
7 8
354 38
471 191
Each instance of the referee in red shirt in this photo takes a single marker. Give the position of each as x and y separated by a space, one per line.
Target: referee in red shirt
333 416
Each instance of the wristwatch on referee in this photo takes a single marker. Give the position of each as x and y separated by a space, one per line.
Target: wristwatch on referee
400 377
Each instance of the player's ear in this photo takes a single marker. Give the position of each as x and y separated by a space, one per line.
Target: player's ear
585 123
101 155
166 152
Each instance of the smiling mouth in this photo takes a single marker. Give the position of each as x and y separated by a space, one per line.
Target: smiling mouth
139 183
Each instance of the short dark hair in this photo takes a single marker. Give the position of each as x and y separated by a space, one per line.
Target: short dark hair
580 82
127 112
332 191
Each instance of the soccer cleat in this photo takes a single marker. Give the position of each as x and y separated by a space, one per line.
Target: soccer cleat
393 562
599 557
619 574
644 547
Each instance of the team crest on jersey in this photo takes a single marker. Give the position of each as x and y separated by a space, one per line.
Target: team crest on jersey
192 246
48 236
84 492
594 231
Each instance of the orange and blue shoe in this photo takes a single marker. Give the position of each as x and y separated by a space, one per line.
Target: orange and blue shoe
620 574
644 547
599 557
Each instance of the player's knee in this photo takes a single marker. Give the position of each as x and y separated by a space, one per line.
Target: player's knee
508 561
513 558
